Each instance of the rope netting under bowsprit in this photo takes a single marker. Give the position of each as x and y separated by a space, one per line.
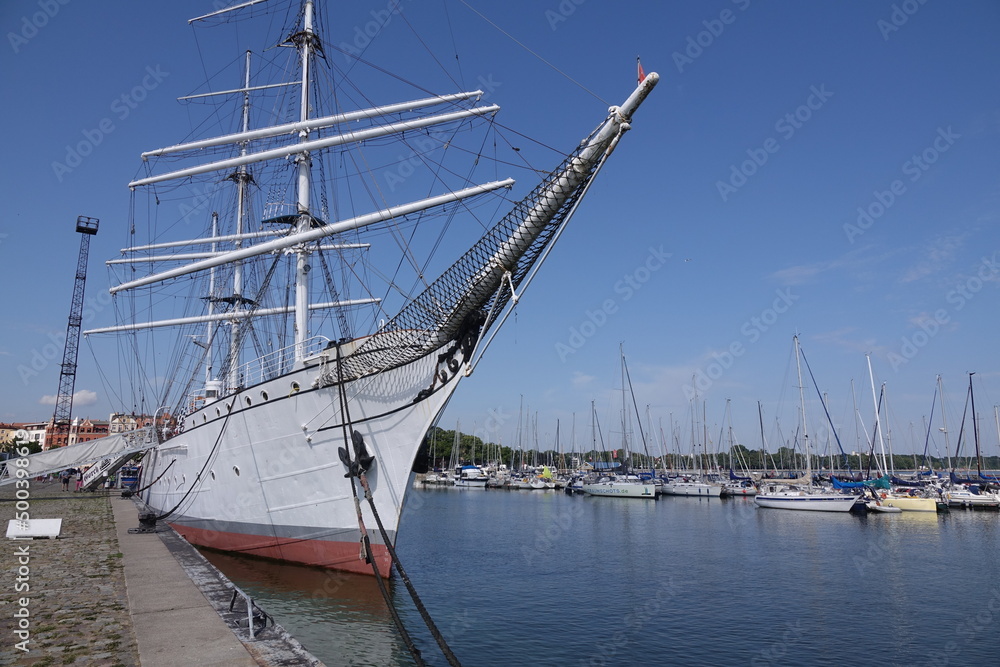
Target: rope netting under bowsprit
455 305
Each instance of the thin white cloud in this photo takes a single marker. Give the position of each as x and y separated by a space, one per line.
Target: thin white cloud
799 275
81 398
844 338
937 256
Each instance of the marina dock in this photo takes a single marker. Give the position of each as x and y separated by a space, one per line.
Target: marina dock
101 596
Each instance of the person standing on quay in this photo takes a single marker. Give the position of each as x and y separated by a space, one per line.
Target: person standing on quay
64 477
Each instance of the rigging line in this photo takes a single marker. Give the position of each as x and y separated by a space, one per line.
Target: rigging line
454 45
875 428
635 405
180 352
450 218
105 382
426 48
358 59
930 422
436 168
204 68
525 47
533 271
392 224
240 330
345 328
961 428
829 419
199 361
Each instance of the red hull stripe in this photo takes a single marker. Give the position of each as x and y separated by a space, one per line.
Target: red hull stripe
318 553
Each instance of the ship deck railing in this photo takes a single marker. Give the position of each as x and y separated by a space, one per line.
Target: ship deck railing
262 369
280 361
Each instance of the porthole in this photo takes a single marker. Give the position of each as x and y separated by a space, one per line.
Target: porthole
229 407
295 386
212 473
236 470
204 418
263 395
249 402
218 412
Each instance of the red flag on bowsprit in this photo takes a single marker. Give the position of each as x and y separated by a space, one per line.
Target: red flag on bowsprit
642 74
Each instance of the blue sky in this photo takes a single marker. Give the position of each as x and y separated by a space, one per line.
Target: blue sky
826 169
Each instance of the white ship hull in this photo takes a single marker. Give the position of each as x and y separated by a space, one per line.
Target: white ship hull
275 485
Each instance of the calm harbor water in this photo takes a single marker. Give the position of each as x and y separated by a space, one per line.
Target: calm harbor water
544 578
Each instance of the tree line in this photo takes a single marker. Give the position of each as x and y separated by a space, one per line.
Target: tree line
439 445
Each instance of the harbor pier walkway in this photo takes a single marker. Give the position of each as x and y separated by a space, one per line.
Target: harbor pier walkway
100 596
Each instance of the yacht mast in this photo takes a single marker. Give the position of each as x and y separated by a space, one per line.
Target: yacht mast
944 421
877 427
802 410
975 428
625 420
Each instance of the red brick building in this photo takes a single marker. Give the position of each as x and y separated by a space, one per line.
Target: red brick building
81 430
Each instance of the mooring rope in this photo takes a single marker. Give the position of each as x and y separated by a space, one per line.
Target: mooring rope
208 459
138 491
365 540
424 614
357 441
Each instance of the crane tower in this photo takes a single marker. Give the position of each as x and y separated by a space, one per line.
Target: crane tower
62 416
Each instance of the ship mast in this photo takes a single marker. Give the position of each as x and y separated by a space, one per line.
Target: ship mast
304 40
242 176
210 325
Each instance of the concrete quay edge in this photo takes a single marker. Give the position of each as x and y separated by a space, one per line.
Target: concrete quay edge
179 604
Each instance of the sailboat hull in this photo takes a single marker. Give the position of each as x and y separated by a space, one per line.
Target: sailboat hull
259 472
911 504
621 490
695 489
807 502
967 499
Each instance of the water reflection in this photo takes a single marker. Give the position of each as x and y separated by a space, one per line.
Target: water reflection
339 616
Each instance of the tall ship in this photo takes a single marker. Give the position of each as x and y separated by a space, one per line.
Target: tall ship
280 320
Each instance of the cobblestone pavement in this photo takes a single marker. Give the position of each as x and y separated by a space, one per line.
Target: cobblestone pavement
77 605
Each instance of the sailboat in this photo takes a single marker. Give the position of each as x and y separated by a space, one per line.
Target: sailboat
693 484
969 492
464 475
806 496
283 405
622 485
